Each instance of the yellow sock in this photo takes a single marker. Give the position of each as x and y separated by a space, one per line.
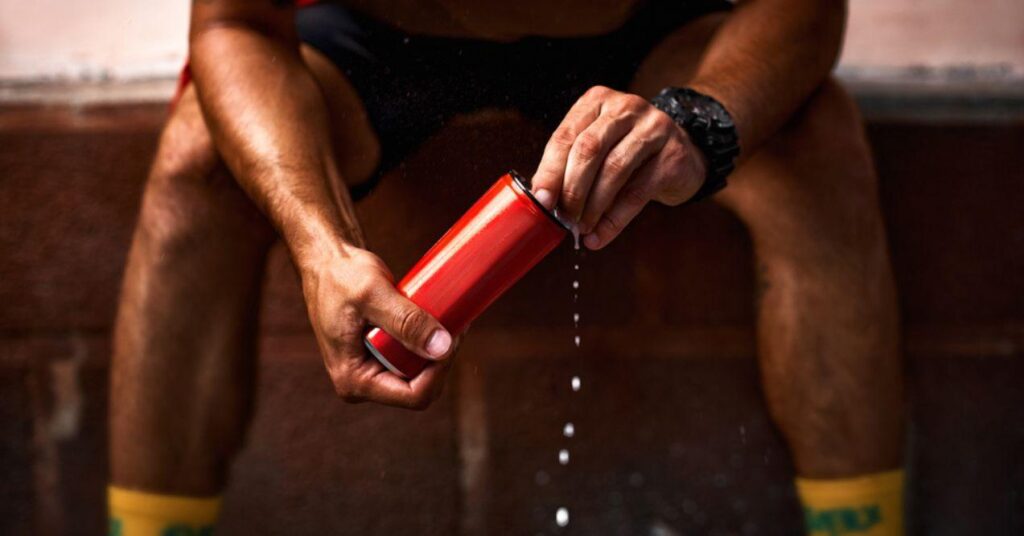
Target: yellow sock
136 513
868 505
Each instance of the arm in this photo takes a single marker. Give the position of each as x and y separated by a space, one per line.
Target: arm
767 58
268 119
614 152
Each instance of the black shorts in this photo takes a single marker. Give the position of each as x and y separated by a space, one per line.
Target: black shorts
411 85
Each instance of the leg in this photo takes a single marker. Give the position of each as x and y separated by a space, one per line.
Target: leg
828 322
184 338
184 343
828 326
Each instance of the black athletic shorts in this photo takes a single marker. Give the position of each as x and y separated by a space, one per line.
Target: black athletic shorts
410 85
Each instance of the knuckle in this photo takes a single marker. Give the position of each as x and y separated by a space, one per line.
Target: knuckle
598 91
634 102
563 137
572 197
421 402
661 120
613 224
616 164
634 197
346 391
352 399
587 147
676 157
410 321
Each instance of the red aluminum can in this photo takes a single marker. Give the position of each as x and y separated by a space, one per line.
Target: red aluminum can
504 234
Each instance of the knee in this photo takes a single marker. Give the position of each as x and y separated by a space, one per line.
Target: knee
812 191
191 200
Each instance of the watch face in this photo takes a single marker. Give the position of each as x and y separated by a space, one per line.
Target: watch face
719 115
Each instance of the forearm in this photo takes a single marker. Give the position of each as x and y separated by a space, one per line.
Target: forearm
767 58
268 120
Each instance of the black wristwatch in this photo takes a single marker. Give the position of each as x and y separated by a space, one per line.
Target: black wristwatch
710 127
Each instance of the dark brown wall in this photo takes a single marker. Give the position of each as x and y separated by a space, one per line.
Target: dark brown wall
672 433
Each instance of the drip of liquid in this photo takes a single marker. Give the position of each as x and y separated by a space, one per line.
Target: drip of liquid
569 430
562 516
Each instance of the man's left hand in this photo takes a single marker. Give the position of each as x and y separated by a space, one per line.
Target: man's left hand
612 154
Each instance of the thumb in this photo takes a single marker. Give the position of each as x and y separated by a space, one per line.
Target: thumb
415 328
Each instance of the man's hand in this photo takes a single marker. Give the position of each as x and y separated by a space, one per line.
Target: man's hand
612 154
346 291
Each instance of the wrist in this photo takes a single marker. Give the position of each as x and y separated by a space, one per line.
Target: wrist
315 241
710 129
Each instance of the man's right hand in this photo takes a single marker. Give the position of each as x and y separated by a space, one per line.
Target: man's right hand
350 289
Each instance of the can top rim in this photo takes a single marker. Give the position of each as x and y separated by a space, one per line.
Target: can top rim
524 185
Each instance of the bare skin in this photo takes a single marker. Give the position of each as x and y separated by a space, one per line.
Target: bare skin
237 166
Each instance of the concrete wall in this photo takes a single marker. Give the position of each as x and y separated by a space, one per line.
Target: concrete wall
91 39
98 39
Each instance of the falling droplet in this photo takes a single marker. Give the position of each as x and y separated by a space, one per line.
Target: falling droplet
568 430
575 267
575 284
576 340
563 456
575 383
562 517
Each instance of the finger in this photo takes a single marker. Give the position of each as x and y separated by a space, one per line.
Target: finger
415 328
634 150
371 381
585 159
551 170
429 385
630 201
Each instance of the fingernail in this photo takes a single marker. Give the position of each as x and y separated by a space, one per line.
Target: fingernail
591 241
545 198
439 343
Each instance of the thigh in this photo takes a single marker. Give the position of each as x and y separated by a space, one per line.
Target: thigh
813 176
356 146
387 91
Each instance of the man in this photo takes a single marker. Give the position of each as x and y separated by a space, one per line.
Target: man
289 108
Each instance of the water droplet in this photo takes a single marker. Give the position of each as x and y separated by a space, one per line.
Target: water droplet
575 318
576 340
568 430
575 284
563 456
562 516
575 383
575 267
